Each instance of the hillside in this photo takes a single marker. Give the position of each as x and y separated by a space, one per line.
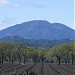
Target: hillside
35 43
39 29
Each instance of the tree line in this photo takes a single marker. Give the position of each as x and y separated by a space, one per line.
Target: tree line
18 52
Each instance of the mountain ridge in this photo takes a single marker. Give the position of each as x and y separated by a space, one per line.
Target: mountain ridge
39 29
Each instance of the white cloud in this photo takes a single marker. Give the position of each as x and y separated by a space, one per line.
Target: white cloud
8 3
4 2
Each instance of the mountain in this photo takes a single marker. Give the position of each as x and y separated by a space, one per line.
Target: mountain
36 43
12 39
39 29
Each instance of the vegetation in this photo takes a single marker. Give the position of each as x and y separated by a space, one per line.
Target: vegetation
18 52
45 43
60 58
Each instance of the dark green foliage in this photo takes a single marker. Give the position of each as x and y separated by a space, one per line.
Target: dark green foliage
13 52
36 43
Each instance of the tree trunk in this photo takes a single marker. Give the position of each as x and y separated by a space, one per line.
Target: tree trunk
2 60
59 61
24 60
42 67
20 60
72 59
68 61
12 60
67 58
9 59
65 61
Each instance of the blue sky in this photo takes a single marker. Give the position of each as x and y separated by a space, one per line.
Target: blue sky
17 11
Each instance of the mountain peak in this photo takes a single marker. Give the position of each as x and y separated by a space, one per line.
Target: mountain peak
36 22
39 29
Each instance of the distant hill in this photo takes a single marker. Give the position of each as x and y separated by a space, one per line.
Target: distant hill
39 29
36 43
